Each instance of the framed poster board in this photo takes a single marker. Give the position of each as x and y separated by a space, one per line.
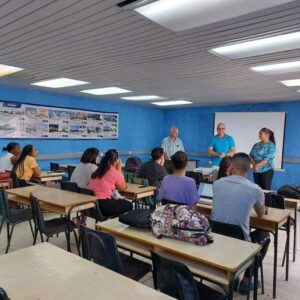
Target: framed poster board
20 120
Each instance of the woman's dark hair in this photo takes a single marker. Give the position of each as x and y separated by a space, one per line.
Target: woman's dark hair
106 162
89 156
270 133
224 166
10 147
179 160
157 153
27 150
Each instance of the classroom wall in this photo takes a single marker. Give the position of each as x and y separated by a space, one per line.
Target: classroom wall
135 123
196 128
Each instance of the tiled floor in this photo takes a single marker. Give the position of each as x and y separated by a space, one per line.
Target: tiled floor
285 290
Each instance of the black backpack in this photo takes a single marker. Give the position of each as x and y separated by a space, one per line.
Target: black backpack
133 164
289 191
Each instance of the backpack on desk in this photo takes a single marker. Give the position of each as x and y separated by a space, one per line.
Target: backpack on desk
181 222
289 191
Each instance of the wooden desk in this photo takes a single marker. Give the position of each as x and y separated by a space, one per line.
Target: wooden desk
48 176
293 204
271 223
136 191
54 200
219 262
47 272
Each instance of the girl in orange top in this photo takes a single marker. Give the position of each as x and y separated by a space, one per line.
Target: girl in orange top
26 165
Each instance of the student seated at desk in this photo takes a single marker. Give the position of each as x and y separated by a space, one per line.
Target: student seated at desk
225 166
154 169
8 160
26 165
177 188
83 172
105 180
234 197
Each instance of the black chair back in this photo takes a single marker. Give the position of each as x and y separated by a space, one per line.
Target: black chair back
70 171
4 206
230 230
274 200
197 176
54 166
100 248
69 186
173 278
87 192
3 295
37 213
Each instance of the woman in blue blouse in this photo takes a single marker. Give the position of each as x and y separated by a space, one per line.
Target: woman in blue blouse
262 157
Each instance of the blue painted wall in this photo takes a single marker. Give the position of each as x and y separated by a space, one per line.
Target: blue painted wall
196 129
135 128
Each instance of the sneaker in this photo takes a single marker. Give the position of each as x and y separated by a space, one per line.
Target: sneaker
236 283
243 288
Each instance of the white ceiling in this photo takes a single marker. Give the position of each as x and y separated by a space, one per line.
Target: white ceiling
99 42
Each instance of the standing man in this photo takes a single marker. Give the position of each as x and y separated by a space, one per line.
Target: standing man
221 145
171 144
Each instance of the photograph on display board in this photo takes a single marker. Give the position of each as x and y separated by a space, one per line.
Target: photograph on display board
19 120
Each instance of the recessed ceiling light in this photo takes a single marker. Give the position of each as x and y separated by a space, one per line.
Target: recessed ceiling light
287 67
174 102
298 91
6 70
291 82
179 15
141 98
256 47
106 91
59 83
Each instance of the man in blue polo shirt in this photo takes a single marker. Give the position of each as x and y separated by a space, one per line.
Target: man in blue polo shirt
221 145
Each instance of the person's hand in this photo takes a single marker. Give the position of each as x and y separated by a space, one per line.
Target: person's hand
255 168
119 165
222 155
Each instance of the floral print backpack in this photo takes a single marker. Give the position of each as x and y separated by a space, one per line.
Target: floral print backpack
181 222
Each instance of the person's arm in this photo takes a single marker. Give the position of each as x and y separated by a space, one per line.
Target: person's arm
231 147
34 167
120 184
259 206
36 172
211 152
164 146
13 160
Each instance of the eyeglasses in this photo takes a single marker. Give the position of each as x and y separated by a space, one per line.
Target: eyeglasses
220 128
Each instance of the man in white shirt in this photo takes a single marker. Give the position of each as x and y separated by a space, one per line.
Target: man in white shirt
171 144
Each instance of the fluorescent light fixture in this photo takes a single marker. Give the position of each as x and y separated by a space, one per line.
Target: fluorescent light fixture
177 15
106 91
291 82
270 69
262 46
144 98
174 102
298 91
6 70
59 83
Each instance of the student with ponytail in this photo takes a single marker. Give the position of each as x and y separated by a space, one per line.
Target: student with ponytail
105 180
9 159
26 165
262 158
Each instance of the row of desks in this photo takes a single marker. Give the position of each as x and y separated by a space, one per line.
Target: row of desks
47 272
60 202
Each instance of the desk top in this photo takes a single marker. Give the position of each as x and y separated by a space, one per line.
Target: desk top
45 174
137 188
275 215
53 196
46 272
224 253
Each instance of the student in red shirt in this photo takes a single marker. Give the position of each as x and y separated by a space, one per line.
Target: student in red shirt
105 181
